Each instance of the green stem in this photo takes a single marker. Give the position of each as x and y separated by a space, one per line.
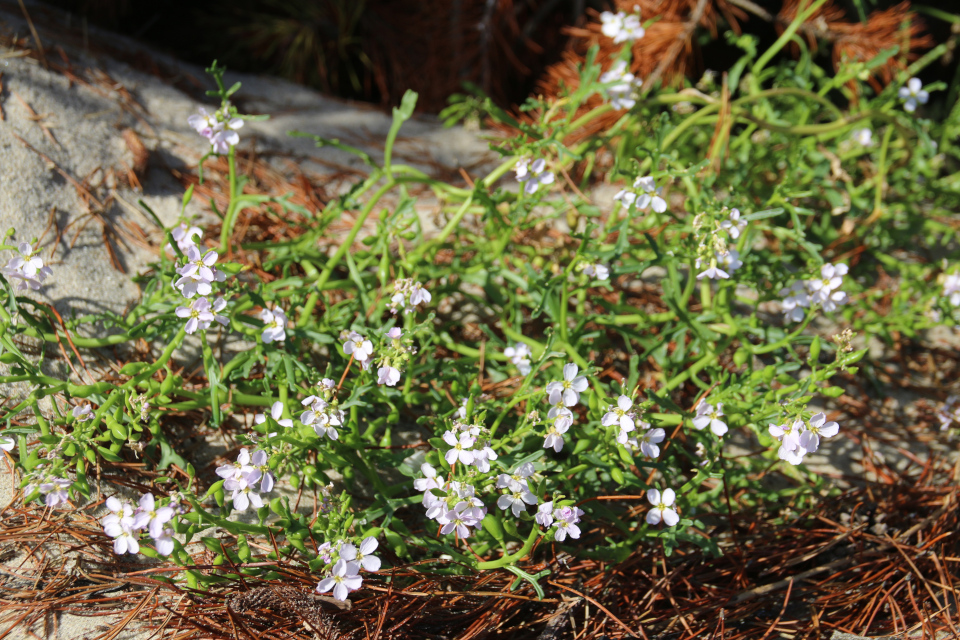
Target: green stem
229 218
505 560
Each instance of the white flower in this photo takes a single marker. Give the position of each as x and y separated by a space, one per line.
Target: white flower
461 448
6 443
733 224
343 578
244 495
358 346
544 515
27 268
199 315
164 542
707 415
619 414
712 272
651 195
218 128
259 461
789 437
817 428
430 480
554 437
662 507
389 376
276 412
274 325
863 137
598 271
621 27
622 85
570 387
647 441
519 355
362 557
913 94
124 536
795 300
533 174
517 481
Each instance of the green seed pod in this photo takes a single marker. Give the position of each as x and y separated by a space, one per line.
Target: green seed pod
741 356
814 350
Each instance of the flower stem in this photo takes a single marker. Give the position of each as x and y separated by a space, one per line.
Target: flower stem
510 559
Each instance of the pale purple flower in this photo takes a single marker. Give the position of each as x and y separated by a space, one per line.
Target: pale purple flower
27 268
949 412
200 314
565 521
395 333
362 556
237 469
863 137
663 509
244 495
124 536
259 461
533 174
274 325
571 386
55 491
707 415
343 578
459 519
913 94
951 288
150 517
517 501
817 428
164 542
82 413
185 236
789 437
544 515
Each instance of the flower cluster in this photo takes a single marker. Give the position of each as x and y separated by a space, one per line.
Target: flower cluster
26 268
913 94
219 127
197 277
533 175
518 494
799 438
709 416
561 395
947 414
622 27
407 295
395 351
242 476
323 412
519 355
644 193
621 85
824 291
454 505
347 560
469 446
634 432
125 523
563 519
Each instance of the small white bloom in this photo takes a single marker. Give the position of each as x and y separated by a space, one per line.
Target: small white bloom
274 325
733 224
598 271
554 437
389 376
817 428
26 268
863 137
343 578
663 509
7 443
460 448
913 94
533 174
519 355
708 416
571 386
